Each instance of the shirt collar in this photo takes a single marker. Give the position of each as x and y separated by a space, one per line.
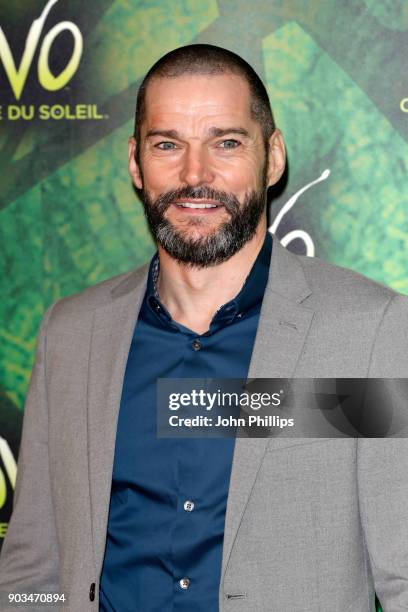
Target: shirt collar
249 297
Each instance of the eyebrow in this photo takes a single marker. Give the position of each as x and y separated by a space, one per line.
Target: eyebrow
214 132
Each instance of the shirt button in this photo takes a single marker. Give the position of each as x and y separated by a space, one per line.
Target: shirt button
188 506
196 344
184 583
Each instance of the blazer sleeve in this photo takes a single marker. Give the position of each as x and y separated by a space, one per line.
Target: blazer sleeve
382 470
29 558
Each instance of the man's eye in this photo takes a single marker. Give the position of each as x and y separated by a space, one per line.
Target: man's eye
165 146
230 144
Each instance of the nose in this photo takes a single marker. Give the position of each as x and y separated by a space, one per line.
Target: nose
195 168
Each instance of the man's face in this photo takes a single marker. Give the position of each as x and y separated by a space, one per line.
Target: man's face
203 168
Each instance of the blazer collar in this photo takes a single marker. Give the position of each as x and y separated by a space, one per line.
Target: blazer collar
286 277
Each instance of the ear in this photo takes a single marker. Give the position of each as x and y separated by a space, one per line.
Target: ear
277 157
134 169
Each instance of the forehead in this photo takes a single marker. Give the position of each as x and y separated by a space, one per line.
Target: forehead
198 99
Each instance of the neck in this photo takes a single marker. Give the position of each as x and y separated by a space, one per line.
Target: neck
193 295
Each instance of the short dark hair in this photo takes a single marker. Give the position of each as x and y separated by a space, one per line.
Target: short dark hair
208 59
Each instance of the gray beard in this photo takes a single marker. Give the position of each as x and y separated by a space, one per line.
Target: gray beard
217 247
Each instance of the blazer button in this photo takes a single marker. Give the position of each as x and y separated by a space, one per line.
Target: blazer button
92 592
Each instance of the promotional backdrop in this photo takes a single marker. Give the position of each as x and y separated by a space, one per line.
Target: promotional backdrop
69 74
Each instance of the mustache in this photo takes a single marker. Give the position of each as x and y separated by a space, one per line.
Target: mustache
203 192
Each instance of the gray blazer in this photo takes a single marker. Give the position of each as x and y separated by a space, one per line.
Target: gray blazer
311 525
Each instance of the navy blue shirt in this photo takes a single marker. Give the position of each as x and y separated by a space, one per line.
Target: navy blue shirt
168 500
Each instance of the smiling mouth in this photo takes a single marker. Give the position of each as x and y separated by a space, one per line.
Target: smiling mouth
197 205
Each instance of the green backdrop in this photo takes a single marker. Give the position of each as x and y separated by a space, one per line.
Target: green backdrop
68 81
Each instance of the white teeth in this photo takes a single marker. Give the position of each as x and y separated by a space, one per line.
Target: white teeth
191 205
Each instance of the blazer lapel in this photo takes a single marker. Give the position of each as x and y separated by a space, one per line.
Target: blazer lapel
112 332
283 326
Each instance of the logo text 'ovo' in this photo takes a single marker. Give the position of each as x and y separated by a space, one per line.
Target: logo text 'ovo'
18 76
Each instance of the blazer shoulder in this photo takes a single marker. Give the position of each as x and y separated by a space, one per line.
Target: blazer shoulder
341 286
77 309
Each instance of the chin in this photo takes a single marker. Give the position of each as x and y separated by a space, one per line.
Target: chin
198 230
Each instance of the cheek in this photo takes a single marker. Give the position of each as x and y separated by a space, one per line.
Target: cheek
158 177
240 177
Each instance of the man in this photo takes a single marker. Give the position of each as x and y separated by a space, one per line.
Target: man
118 519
